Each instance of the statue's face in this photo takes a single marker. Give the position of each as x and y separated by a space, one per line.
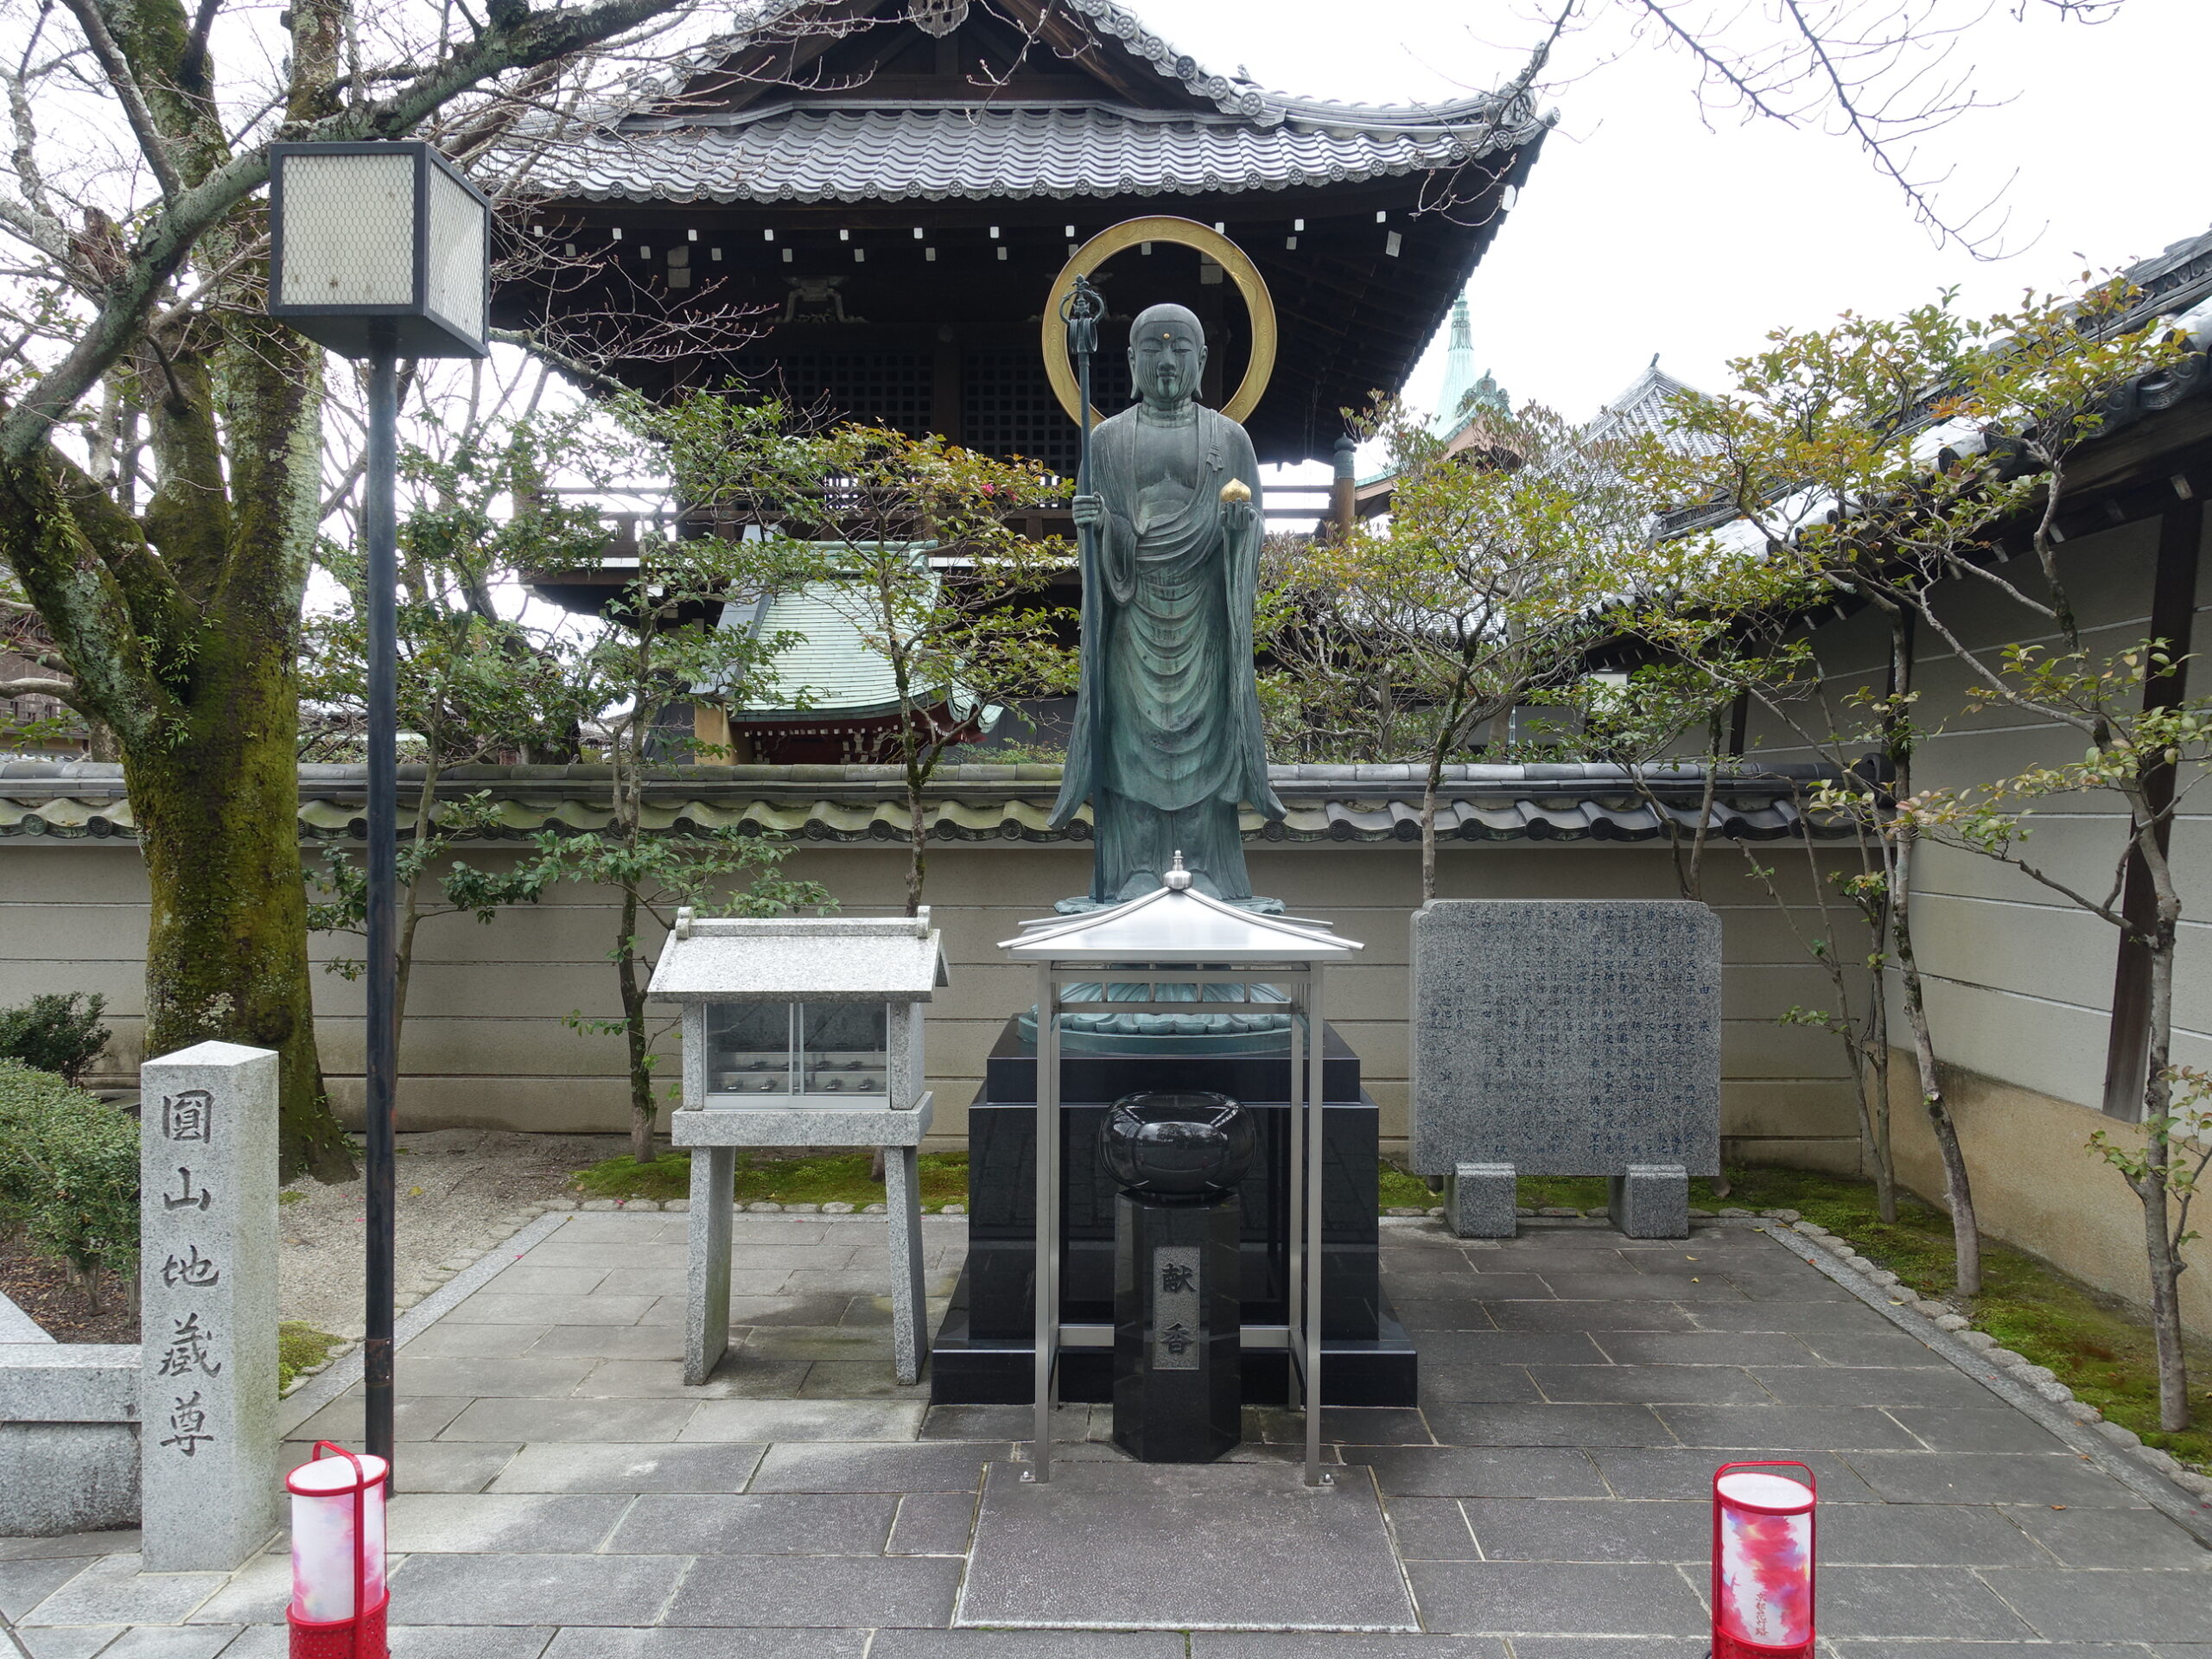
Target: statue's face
1165 358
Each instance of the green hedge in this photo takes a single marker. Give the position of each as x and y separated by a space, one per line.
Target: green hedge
68 1170
52 1033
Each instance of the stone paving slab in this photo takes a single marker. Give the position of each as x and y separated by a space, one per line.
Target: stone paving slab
25 1583
1028 1645
1215 1546
708 1644
562 1497
1537 1598
629 1467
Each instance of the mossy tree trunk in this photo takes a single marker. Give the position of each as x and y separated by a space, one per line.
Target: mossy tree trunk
184 635
177 617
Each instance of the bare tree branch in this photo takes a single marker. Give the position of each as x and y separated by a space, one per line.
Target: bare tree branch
151 144
188 214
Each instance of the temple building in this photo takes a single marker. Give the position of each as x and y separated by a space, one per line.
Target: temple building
1646 406
891 185
895 184
1467 406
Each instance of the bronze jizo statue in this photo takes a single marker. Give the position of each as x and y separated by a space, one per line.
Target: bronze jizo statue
1168 745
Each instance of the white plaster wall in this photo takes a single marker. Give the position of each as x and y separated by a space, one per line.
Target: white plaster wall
2020 980
485 1044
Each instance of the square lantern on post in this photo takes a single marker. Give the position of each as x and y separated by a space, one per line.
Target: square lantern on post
375 243
379 251
799 1030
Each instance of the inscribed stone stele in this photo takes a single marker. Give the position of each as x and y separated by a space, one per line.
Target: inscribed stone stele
1566 1037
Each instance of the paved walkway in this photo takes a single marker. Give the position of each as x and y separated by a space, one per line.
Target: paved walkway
568 1498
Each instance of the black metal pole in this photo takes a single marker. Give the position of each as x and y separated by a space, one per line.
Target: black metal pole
1085 305
380 579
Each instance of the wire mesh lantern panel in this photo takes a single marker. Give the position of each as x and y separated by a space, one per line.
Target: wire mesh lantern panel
375 242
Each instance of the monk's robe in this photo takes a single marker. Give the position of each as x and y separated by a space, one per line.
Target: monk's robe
1167 741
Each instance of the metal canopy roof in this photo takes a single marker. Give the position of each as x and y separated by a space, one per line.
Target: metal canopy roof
1176 926
790 958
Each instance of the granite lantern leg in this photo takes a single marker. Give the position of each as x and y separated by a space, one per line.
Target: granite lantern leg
1651 1201
1177 1396
1479 1201
706 1323
903 1197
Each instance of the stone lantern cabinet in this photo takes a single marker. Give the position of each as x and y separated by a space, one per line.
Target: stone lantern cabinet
799 1031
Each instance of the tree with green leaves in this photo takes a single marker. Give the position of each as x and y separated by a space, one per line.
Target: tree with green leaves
661 649
473 685
914 544
1484 592
161 473
1885 460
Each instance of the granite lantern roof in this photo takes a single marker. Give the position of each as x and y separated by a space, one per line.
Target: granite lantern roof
788 958
902 185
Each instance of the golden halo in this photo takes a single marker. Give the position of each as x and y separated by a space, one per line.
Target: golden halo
1189 233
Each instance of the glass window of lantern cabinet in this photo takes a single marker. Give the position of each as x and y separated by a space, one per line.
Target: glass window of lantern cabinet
842 1048
749 1048
763 1053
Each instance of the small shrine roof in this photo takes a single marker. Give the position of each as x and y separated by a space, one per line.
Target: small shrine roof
1175 923
791 958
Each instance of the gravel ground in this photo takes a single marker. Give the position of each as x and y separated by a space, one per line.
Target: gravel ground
458 1190
40 1287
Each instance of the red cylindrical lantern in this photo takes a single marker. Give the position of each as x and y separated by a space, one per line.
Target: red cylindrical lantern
337 1595
1763 1560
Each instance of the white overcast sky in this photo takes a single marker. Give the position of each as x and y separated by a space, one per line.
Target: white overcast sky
1642 231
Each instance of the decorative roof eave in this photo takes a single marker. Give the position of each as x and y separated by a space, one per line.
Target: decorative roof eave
1116 23
81 802
1430 136
813 153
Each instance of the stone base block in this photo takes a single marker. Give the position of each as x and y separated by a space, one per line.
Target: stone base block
1479 1201
1651 1201
58 1478
1177 1351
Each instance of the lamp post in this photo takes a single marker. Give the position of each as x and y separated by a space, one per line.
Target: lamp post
379 251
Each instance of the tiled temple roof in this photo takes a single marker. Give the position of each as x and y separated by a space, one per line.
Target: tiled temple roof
1231 136
991 151
84 801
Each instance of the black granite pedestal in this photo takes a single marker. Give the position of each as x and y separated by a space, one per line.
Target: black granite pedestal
983 1353
1177 1396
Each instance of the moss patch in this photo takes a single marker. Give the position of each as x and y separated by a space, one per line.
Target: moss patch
301 1347
1399 1189
841 1178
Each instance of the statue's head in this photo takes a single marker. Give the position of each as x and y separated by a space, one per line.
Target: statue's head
1167 353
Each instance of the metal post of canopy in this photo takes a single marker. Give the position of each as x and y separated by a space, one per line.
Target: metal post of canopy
1314 1079
1179 937
1294 1196
1047 1272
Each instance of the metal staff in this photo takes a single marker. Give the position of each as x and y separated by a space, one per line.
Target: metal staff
1081 311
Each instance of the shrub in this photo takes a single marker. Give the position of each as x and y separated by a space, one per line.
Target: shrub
51 1033
68 1173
